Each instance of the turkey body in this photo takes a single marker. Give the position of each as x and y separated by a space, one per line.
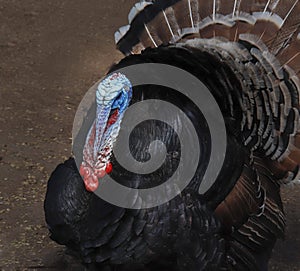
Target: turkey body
247 54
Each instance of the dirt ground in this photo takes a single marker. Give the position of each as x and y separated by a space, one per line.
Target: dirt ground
51 52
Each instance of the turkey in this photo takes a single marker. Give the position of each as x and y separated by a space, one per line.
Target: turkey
247 54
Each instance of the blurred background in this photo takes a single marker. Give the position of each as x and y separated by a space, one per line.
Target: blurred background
51 52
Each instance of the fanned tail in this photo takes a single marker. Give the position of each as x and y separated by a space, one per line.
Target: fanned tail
274 22
269 32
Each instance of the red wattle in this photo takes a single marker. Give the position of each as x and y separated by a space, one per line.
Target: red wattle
113 118
82 170
100 173
91 183
90 180
90 177
109 168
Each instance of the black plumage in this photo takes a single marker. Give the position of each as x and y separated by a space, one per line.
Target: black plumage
247 54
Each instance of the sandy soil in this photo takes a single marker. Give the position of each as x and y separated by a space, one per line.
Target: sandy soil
51 52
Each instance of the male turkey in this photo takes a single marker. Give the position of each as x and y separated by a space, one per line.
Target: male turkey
247 53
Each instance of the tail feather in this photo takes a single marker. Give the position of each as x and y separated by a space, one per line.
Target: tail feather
286 37
290 57
274 22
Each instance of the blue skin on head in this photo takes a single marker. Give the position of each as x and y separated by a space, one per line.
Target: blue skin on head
122 101
114 92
